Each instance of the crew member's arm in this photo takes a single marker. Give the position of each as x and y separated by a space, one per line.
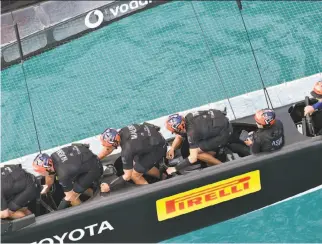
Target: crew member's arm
310 109
193 157
105 152
193 148
71 197
254 144
49 181
127 160
175 145
317 105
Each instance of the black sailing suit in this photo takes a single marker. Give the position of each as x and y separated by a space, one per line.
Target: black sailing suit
142 144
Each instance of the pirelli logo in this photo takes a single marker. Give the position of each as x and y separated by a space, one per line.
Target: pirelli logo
208 195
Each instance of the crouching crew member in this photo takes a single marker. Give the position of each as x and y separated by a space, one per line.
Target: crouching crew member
206 132
312 110
142 148
316 93
77 169
18 188
270 135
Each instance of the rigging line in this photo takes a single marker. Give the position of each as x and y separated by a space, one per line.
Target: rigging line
251 46
24 75
213 59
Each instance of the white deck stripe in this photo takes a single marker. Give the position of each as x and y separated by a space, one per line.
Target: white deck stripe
243 105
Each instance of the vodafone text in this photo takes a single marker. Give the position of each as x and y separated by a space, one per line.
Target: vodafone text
115 11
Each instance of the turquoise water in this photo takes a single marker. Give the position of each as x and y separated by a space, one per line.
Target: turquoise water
298 220
154 63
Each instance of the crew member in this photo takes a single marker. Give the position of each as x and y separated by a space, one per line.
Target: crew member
206 132
270 134
142 148
77 169
316 93
18 188
312 110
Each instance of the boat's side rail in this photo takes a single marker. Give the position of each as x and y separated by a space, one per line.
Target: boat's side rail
41 28
228 190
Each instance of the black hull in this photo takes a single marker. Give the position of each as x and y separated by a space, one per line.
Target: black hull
131 214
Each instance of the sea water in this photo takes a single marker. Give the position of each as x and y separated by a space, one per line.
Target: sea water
298 220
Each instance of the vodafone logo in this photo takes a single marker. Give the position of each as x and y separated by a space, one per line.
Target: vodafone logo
99 21
114 12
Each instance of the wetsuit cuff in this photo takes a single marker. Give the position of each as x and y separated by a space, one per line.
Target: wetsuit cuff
183 164
317 105
63 204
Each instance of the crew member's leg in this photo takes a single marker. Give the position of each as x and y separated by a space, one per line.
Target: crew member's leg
237 146
146 164
16 214
138 178
137 172
207 149
85 181
19 213
4 206
241 150
157 157
208 157
17 205
26 211
210 145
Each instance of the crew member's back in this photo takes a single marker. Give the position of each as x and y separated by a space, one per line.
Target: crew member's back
72 161
140 139
202 125
77 168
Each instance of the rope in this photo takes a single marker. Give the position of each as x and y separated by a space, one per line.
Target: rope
213 59
24 75
251 46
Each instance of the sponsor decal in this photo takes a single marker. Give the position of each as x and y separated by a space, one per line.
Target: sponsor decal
100 18
208 195
114 12
78 234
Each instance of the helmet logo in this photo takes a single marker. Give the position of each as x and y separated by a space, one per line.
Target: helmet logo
111 137
174 121
268 119
39 162
43 161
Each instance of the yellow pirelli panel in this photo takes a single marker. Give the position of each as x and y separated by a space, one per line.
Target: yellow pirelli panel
209 195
